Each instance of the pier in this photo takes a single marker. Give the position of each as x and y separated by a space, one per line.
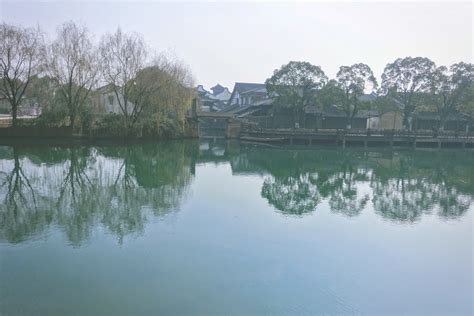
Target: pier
366 138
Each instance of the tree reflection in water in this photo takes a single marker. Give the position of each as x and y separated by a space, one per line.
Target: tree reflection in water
122 187
401 186
407 186
291 195
116 187
21 215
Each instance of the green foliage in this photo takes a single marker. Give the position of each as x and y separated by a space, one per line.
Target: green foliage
294 85
110 125
55 115
404 78
449 88
467 106
86 118
54 112
353 81
330 95
383 104
113 126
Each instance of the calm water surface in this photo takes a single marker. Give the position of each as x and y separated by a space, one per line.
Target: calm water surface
193 228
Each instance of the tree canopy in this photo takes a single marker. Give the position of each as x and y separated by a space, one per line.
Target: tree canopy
403 79
294 85
449 89
19 60
71 61
353 81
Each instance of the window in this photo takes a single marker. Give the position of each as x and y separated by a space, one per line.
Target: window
111 99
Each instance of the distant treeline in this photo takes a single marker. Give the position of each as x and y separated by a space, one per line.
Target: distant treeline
64 76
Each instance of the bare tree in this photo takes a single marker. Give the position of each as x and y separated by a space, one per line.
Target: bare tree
19 61
123 57
71 61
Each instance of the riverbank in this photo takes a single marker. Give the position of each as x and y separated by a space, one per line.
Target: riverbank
268 137
66 135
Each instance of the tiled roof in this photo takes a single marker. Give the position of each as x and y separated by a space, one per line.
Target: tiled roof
241 87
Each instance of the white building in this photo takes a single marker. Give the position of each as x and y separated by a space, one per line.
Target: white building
105 101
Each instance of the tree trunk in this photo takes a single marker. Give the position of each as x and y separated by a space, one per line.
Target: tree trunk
14 114
442 122
72 119
406 119
349 122
297 119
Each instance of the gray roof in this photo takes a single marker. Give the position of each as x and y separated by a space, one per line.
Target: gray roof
244 87
368 97
230 108
264 102
217 89
256 90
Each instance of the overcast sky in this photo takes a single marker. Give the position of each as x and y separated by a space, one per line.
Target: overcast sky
246 41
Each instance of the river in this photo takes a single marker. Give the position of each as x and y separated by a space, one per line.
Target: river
199 228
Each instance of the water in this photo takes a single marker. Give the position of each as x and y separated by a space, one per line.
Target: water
226 228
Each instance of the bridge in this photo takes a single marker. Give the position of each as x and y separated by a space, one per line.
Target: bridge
217 125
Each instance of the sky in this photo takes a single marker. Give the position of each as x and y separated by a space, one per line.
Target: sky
228 42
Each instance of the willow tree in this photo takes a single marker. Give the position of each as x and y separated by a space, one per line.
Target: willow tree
71 62
170 91
294 85
404 79
19 62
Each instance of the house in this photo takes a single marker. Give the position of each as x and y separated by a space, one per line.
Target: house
248 99
425 120
218 89
245 93
392 120
333 118
215 101
206 100
105 101
222 95
368 97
